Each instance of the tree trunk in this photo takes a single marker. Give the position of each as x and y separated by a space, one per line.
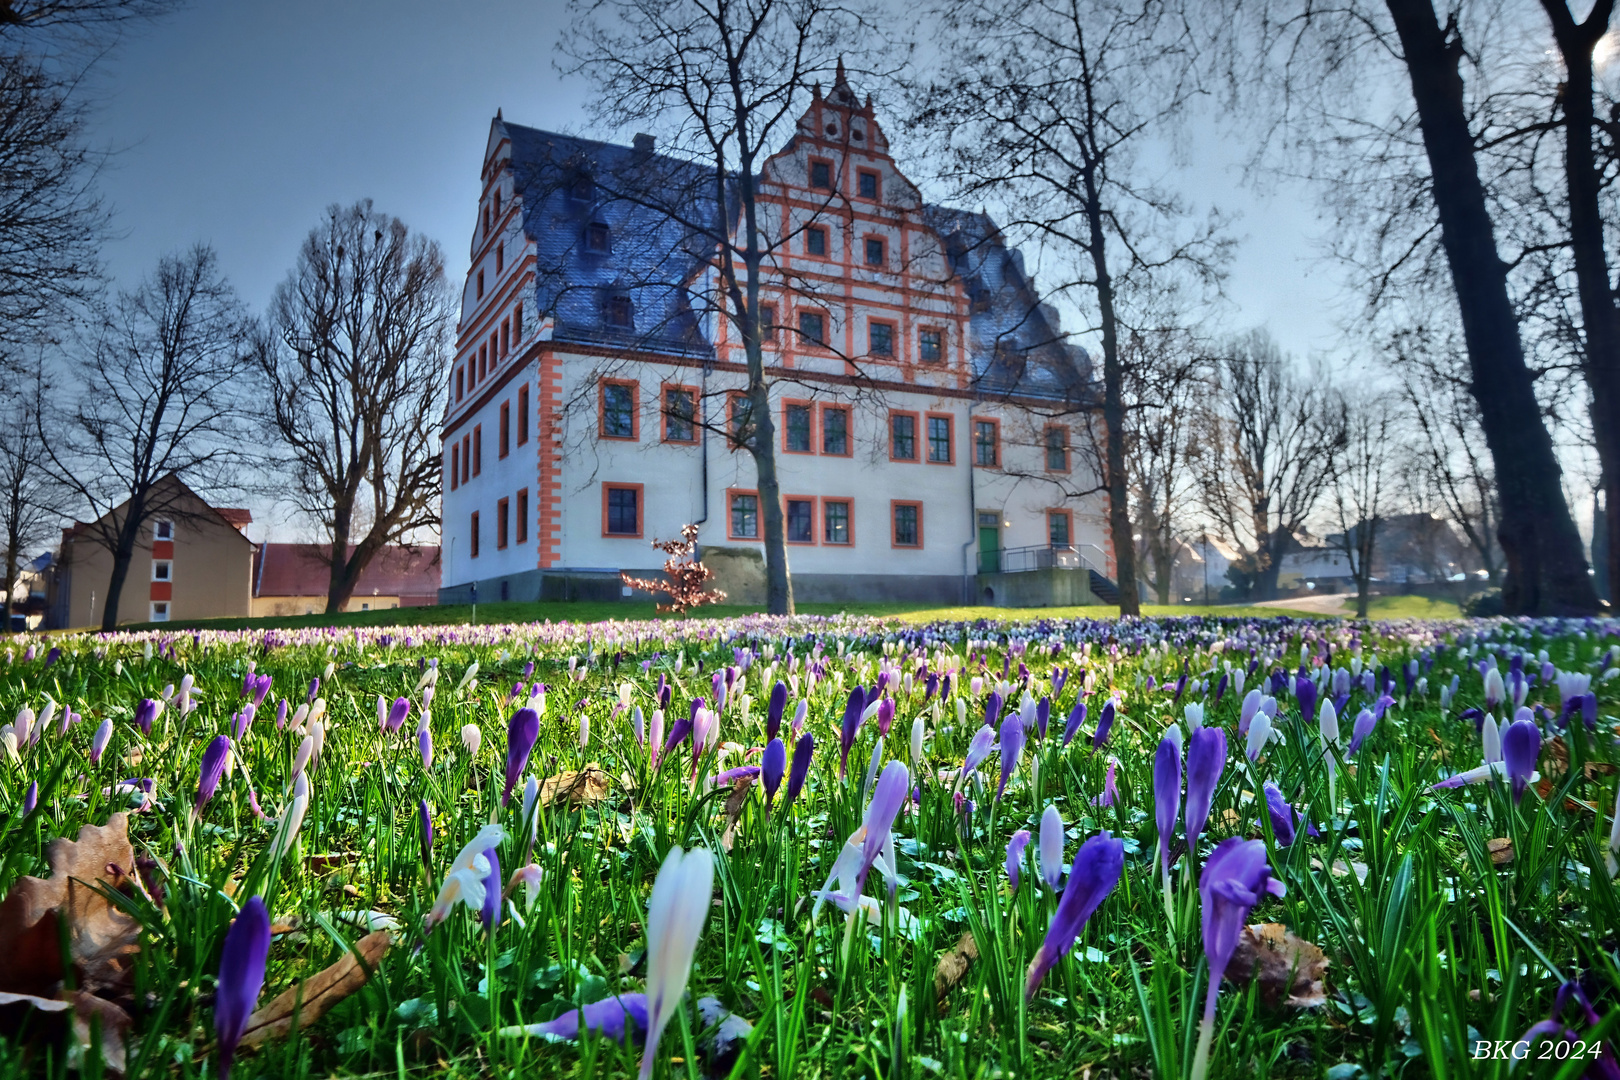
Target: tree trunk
778 585
122 553
1599 318
338 587
1119 507
11 575
1547 571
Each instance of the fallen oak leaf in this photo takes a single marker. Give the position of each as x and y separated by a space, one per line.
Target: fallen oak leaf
735 802
1501 850
1290 969
953 968
587 787
89 1015
309 999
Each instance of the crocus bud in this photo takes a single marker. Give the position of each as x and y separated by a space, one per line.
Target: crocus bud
424 817
98 741
772 765
1166 795
30 798
1105 723
802 751
521 733
918 731
773 714
397 713
1050 851
241 977
213 767
471 738
148 711
1015 855
424 743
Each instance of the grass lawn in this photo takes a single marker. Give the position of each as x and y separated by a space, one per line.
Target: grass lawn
598 611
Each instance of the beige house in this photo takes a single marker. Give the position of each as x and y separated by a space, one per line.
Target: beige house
291 579
191 561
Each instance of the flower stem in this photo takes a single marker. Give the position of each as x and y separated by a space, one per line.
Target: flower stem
1206 1033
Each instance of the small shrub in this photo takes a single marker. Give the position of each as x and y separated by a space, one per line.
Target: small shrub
687 575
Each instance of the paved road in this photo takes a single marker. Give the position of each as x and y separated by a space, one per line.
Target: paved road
1326 604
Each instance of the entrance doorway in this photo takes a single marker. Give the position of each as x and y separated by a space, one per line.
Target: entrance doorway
990 543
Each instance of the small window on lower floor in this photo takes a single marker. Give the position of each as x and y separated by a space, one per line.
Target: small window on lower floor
622 510
835 518
801 515
1057 528
907 524
745 516
160 611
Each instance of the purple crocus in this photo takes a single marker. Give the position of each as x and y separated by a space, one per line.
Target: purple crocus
1110 791
1105 724
397 713
30 798
98 741
1011 749
1015 855
1282 815
424 743
1077 717
241 977
521 733
1305 693
803 750
1366 720
773 763
1096 870
1233 882
213 767
424 815
261 687
491 911
1521 746
1166 796
615 1017
979 747
146 713
853 709
773 715
1206 758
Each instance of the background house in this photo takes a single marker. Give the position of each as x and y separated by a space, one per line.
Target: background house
291 579
190 562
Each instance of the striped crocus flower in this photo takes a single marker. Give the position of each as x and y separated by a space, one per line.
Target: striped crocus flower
1521 746
676 913
1015 855
241 977
464 883
1050 851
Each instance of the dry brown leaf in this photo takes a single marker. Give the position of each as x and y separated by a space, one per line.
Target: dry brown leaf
87 1013
586 787
735 802
310 999
1289 968
953 967
1501 849
103 939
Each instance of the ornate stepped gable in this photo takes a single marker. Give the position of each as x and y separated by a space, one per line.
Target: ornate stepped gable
613 223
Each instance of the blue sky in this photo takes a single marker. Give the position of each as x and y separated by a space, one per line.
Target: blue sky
237 123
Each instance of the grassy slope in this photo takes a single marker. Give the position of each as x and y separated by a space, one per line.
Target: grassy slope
589 611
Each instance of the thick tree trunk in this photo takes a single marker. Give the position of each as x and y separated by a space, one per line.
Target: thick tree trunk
1547 571
339 586
123 552
1599 318
1114 478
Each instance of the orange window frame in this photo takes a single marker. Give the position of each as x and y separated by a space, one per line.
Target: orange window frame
883 244
894 531
520 519
802 404
995 443
1067 516
635 410
1068 452
641 510
950 438
826 242
503 522
523 414
877 185
811 499
849 520
663 413
455 465
759 516
894 339
473 545
503 445
849 430
943 340
832 175
478 449
916 435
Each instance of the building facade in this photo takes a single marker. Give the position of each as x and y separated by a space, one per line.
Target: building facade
929 413
292 579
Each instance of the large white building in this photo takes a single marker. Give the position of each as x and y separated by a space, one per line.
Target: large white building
928 410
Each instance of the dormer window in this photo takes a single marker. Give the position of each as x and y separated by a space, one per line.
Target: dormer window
597 238
821 175
620 313
583 189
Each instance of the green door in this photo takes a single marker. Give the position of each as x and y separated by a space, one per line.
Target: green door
989 543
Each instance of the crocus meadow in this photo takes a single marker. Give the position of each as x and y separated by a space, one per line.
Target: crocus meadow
814 847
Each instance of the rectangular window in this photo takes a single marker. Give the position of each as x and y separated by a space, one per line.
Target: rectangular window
866 184
481 277
483 361
874 251
455 466
160 611
597 240
521 522
680 414
907 524
621 509
986 443
835 430
163 529
1058 526
815 241
472 541
500 258
503 522
796 428
739 410
930 346
517 323
620 313
821 175
801 523
162 570
939 440
880 338
1057 448
506 336
903 436
618 410
767 323
835 521
813 328
505 440
466 457
478 448
744 515
461 383
523 414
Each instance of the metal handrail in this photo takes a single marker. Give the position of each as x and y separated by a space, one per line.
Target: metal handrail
1035 557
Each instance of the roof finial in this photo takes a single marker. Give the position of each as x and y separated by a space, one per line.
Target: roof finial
497 114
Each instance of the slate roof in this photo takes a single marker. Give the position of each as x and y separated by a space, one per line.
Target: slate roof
1017 346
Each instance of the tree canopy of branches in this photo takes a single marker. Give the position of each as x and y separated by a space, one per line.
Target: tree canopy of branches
160 393
1265 454
1162 447
1417 214
722 84
1364 472
31 500
351 372
1048 107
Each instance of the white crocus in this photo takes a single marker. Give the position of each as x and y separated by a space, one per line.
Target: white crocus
1050 851
464 882
681 896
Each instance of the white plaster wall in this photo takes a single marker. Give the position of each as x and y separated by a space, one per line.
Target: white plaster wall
500 478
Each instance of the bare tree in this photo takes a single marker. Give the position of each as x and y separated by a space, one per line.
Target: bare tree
32 502
1265 454
1049 107
1161 449
1364 472
352 373
159 394
1408 184
722 83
